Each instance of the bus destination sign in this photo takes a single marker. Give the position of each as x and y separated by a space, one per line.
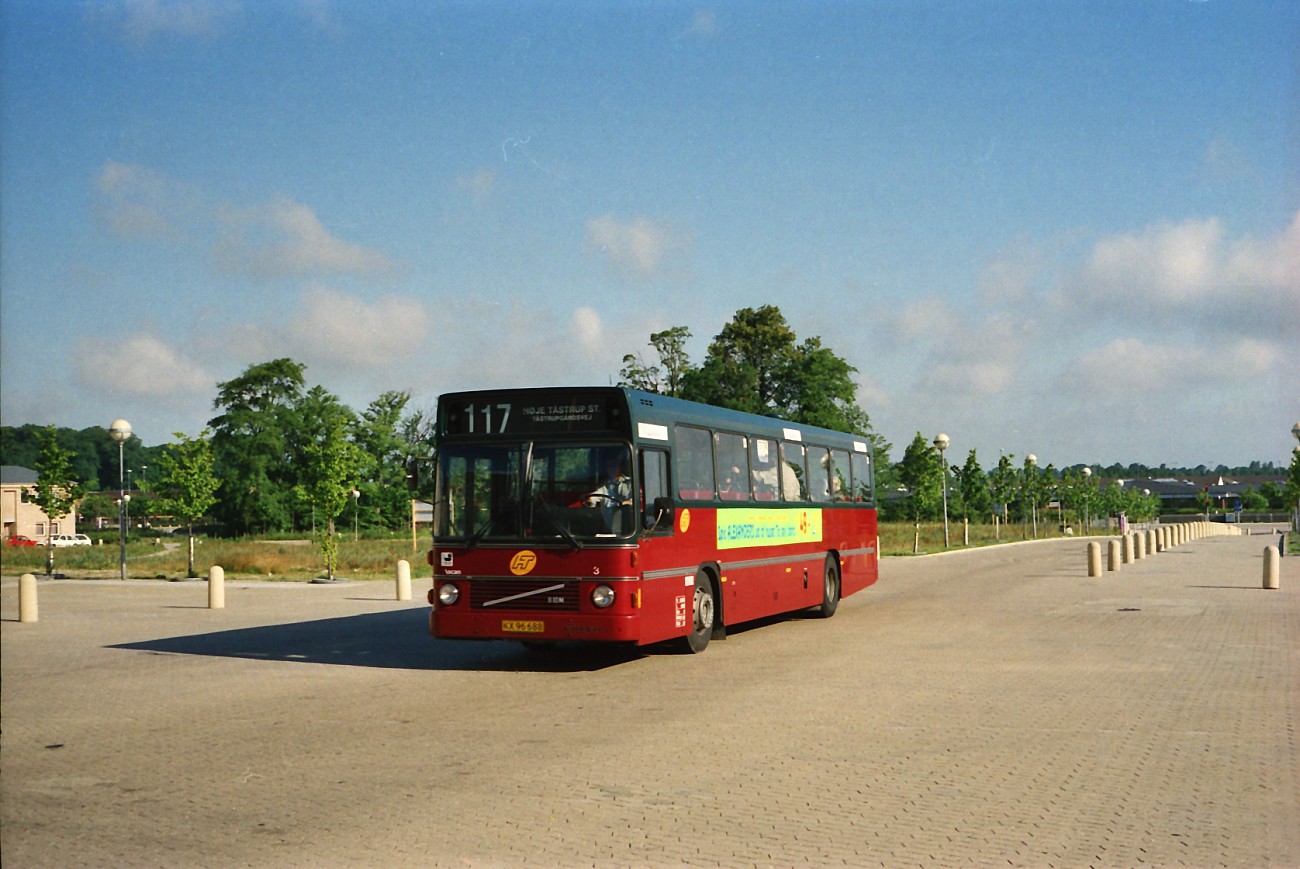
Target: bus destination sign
507 414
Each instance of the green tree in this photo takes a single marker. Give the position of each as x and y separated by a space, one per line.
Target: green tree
1002 483
818 389
1080 495
314 412
1033 488
96 507
251 441
755 365
665 378
746 363
329 474
921 471
419 433
57 491
378 433
187 484
973 486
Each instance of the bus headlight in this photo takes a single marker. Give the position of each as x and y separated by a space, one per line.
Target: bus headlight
448 594
602 596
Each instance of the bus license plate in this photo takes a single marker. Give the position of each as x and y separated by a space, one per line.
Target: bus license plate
522 627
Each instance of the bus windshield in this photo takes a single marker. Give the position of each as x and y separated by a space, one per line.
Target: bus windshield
572 493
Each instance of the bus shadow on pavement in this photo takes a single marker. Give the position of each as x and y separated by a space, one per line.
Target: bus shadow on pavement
397 640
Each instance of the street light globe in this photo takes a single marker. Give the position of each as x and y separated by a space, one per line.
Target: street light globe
1032 459
120 430
941 441
1295 430
1087 472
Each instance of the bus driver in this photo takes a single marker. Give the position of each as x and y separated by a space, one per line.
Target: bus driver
615 491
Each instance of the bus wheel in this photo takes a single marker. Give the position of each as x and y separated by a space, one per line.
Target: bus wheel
830 589
703 614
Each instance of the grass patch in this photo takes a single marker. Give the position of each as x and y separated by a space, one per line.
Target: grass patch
292 560
897 538
299 560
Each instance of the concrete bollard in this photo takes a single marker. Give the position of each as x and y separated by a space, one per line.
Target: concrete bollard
403 580
1114 555
1094 559
216 588
1139 545
27 598
1129 549
1151 542
1272 567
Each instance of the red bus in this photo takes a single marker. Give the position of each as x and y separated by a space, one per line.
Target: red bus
607 514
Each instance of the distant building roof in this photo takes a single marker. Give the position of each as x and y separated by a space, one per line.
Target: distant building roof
1170 489
16 474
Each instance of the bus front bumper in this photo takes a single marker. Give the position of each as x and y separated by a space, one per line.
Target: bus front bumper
465 624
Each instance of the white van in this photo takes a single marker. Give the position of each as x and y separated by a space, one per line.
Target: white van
69 540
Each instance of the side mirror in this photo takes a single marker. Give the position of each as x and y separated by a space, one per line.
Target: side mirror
662 516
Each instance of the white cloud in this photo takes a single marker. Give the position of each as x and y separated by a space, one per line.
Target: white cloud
961 355
333 328
142 20
1269 262
1192 271
638 246
587 326
136 201
1128 369
140 365
284 238
1168 263
703 23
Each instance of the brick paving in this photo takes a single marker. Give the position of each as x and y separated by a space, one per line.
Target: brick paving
993 708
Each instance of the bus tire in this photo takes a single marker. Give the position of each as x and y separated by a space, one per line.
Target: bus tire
704 613
830 588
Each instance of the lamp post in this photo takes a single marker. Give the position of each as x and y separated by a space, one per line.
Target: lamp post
1031 465
356 498
120 431
1087 498
941 443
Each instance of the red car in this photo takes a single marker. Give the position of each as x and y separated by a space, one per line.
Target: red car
20 540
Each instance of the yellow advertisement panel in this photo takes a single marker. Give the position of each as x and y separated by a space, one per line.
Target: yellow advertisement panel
741 528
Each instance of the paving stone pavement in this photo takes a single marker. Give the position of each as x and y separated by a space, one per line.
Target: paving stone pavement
991 708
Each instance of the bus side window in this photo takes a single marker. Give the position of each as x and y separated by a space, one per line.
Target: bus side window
655 494
794 478
841 490
819 480
763 468
694 464
733 466
862 479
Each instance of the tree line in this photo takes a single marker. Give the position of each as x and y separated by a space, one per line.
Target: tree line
281 456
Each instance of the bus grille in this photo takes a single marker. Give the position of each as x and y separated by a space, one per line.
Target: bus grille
517 595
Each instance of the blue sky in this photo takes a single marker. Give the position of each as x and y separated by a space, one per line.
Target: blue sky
1067 228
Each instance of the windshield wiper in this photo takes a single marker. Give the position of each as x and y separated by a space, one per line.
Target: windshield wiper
559 526
478 535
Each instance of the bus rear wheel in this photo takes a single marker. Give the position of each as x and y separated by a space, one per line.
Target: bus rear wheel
703 613
830 589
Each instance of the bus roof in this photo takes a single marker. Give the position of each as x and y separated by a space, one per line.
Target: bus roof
648 410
